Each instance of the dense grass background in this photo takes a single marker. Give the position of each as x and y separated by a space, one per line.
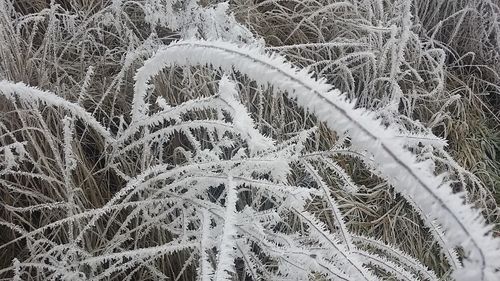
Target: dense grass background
434 61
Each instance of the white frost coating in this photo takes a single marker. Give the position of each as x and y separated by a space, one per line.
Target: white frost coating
17 274
345 236
464 226
341 255
413 140
241 119
205 269
386 265
86 84
156 251
225 264
69 166
12 154
401 256
31 95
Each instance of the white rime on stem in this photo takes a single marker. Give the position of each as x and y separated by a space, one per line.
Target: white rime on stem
69 166
33 95
241 119
206 269
462 224
225 259
400 256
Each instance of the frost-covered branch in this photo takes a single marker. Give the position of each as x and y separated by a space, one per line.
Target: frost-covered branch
464 225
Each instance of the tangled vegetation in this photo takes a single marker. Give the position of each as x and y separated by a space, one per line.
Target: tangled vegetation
249 140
